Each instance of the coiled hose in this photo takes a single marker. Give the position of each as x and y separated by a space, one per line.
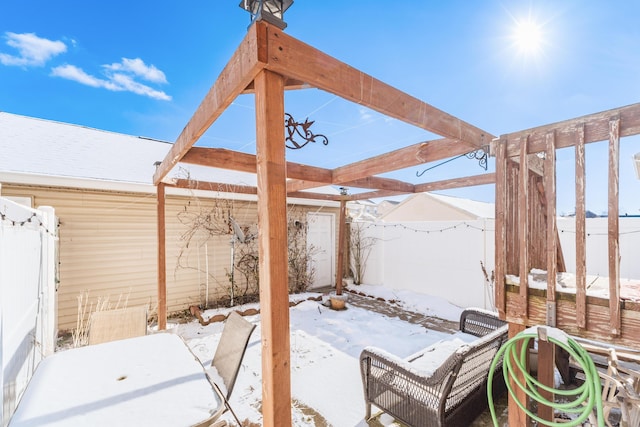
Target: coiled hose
580 400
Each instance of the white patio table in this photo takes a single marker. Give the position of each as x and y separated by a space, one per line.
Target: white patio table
152 380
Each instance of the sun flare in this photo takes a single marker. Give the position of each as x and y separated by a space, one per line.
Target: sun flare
528 37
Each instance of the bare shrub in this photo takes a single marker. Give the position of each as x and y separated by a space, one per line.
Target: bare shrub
360 246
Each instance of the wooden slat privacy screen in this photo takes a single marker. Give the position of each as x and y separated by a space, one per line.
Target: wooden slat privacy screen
527 235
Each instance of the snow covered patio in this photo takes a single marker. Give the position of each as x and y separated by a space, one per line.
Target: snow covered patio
325 347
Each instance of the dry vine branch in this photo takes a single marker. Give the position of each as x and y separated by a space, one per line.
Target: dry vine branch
361 246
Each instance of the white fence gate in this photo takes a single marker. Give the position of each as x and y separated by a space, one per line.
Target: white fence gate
28 252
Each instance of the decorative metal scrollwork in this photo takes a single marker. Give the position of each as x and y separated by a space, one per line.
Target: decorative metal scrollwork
481 155
299 134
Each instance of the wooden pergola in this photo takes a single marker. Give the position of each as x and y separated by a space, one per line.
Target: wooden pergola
267 63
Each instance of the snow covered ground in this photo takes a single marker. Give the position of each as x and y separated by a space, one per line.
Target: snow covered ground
325 346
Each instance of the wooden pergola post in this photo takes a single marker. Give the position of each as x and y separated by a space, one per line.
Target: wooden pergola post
272 246
342 217
162 260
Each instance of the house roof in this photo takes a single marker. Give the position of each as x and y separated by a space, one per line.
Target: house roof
53 149
37 151
438 207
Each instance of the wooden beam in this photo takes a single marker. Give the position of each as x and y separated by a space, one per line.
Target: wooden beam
373 182
222 187
245 64
272 244
295 59
546 365
310 173
536 164
214 186
613 225
552 228
581 234
314 196
289 84
595 128
517 417
417 154
342 218
381 184
302 184
220 158
374 194
468 181
523 226
162 259
501 227
243 162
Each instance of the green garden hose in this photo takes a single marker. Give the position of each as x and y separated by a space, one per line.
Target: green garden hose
580 400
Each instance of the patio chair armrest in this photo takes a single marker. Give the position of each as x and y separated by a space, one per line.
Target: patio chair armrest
479 322
395 385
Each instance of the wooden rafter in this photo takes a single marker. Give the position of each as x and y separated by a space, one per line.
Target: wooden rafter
240 71
297 60
447 184
595 128
414 155
220 187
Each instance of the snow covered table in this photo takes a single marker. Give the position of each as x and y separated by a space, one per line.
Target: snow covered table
150 380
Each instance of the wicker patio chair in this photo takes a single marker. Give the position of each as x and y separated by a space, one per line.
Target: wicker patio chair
453 395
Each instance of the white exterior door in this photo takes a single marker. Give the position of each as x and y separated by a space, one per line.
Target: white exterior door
321 234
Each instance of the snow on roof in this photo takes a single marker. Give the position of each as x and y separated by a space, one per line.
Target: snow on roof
38 151
466 207
44 147
479 209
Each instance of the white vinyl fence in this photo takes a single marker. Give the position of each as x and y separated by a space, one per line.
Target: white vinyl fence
28 246
443 258
598 246
439 258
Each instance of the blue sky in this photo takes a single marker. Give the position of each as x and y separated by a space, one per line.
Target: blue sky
142 68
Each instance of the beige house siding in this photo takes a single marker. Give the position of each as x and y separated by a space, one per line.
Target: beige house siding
108 248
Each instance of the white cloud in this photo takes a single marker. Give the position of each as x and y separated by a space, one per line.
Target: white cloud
122 76
116 82
139 68
127 83
71 72
32 50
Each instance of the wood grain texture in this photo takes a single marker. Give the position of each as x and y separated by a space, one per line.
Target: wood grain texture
523 224
468 181
581 234
162 258
297 60
501 226
595 127
552 233
244 65
613 225
517 417
598 321
272 249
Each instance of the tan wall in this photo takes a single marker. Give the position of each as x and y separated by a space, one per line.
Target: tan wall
108 247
